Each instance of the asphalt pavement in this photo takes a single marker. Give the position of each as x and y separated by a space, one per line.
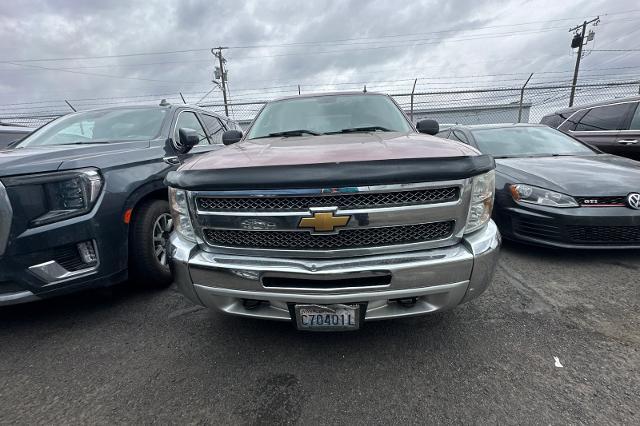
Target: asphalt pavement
555 340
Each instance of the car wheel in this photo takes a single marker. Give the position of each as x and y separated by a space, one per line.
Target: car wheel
148 257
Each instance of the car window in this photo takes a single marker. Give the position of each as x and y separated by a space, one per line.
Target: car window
635 121
610 117
459 136
214 127
188 120
527 141
444 134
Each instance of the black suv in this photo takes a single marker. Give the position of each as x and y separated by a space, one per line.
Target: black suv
10 134
83 201
612 126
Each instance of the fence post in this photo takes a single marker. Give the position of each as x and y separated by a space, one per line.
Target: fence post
522 98
412 92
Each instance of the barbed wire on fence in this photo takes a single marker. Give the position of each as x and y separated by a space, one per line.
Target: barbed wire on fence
462 106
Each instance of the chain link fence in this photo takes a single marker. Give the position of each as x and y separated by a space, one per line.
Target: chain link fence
469 106
479 106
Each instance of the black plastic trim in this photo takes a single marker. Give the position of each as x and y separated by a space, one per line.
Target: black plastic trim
380 172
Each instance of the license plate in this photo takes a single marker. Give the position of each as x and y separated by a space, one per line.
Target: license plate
328 317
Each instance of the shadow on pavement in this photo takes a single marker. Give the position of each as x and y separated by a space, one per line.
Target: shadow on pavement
82 302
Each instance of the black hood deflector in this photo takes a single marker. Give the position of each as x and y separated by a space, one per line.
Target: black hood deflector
332 175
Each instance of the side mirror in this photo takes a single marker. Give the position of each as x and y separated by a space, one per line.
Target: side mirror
231 136
430 127
188 139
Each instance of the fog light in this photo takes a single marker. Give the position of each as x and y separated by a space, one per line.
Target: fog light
246 274
250 304
87 251
407 302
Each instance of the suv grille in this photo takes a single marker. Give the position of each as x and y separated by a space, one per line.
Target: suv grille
350 200
605 234
600 201
345 239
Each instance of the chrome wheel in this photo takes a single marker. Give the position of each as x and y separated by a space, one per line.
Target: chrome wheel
161 230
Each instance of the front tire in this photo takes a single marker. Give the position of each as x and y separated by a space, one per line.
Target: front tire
148 257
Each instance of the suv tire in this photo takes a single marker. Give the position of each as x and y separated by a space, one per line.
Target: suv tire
148 257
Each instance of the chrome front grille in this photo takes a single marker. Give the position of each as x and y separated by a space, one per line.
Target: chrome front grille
379 219
346 239
355 200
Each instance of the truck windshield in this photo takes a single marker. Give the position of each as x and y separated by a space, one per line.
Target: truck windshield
329 114
99 127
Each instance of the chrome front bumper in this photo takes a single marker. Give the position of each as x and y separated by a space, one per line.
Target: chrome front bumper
438 279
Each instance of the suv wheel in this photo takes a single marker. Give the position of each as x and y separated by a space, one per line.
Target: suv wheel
148 257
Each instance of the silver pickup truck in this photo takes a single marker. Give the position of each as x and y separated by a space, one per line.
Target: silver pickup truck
333 210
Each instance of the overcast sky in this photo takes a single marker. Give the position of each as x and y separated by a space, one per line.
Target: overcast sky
316 44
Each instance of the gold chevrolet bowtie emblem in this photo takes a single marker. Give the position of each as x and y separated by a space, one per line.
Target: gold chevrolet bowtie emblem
323 222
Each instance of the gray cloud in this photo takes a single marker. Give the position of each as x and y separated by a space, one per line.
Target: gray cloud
66 28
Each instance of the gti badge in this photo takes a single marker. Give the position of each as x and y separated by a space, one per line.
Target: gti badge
633 200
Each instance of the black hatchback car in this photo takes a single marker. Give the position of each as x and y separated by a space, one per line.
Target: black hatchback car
83 201
612 126
552 189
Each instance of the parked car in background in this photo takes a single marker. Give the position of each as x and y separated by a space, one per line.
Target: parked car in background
333 210
83 201
12 133
552 189
612 126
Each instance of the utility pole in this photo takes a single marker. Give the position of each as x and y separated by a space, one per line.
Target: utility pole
578 41
217 52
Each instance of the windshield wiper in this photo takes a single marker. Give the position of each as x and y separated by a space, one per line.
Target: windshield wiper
361 129
83 143
290 133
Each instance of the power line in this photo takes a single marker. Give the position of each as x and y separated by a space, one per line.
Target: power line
614 50
168 52
102 75
404 44
123 55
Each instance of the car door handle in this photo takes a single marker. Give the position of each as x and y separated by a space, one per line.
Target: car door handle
171 160
628 141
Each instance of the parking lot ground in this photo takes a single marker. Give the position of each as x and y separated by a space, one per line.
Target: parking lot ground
138 356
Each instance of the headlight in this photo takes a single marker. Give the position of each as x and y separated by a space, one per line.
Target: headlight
180 212
534 195
482 189
62 195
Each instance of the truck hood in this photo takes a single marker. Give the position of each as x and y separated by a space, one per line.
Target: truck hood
331 161
339 148
51 158
591 175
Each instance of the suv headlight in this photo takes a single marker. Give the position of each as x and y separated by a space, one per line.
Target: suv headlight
482 190
57 196
544 197
180 212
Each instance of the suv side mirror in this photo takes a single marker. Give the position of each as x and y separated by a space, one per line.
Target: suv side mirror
430 127
231 136
188 139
